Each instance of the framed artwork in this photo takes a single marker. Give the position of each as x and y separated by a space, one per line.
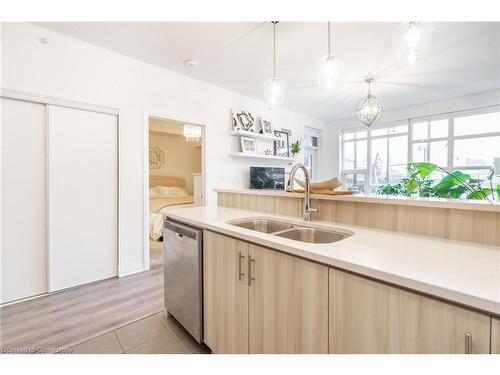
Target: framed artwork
243 121
266 126
282 146
248 145
156 157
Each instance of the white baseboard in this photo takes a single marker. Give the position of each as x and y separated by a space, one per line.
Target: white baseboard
130 269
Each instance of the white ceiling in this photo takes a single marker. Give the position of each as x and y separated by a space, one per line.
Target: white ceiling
464 58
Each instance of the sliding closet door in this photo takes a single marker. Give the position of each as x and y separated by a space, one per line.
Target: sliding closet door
82 196
23 191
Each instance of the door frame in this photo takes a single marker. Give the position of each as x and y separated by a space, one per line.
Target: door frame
145 177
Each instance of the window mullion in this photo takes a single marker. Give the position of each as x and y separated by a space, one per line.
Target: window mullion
387 158
342 163
410 145
368 174
428 148
355 155
451 145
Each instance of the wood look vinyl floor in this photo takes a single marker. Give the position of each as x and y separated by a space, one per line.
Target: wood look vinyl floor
64 319
155 253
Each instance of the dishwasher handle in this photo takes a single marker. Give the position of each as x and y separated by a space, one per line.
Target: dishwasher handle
181 230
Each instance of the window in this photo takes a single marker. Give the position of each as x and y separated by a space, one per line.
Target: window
389 151
311 146
430 142
355 159
466 141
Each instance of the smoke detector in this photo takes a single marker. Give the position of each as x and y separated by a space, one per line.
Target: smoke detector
191 62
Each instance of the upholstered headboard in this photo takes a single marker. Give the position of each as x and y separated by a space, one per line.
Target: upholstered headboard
166 181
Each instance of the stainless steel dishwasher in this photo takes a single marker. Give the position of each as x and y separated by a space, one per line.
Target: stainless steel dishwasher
183 275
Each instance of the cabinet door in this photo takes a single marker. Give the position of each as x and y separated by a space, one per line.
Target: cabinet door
225 293
371 317
495 336
288 304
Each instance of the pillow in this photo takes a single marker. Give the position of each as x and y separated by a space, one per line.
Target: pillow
167 191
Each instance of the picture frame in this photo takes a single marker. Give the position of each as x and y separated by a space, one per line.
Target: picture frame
282 146
243 121
248 145
266 126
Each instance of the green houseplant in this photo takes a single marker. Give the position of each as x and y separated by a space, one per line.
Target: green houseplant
295 147
455 184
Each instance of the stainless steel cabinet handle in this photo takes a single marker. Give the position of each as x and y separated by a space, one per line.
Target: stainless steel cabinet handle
468 343
250 277
240 273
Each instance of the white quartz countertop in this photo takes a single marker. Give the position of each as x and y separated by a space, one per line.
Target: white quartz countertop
462 272
459 204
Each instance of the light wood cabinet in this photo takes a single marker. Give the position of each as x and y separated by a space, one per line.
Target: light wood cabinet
495 336
371 317
282 308
225 293
288 303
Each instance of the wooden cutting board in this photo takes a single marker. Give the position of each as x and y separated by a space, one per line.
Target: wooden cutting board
325 191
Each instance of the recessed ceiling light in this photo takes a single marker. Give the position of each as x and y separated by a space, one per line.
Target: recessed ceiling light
191 62
43 40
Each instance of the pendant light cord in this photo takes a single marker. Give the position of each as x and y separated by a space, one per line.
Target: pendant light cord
369 80
274 48
329 44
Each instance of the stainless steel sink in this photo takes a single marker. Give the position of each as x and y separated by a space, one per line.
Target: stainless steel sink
291 231
312 235
263 225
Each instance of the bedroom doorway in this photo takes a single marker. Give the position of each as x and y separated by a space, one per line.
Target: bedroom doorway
175 175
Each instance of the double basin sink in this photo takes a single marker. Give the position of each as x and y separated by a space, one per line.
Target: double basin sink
294 232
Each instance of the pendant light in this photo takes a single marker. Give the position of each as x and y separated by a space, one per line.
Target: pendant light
368 110
192 133
274 87
327 67
412 41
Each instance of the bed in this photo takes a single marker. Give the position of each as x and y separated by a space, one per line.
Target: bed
165 191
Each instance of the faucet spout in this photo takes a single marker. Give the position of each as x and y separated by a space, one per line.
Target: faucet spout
308 210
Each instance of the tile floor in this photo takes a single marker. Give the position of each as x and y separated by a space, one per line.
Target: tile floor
156 334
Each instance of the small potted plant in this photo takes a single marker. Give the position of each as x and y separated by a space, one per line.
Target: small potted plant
295 148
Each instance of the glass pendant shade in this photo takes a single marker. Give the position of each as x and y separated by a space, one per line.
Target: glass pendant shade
192 133
274 87
327 71
327 66
274 91
412 41
368 109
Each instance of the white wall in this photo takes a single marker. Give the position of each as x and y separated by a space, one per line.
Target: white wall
332 131
71 69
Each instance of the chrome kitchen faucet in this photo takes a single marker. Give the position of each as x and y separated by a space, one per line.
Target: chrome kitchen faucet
289 187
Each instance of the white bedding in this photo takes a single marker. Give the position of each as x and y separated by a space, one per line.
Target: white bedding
161 197
155 225
156 222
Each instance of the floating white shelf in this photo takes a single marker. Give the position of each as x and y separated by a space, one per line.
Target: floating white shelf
253 135
260 156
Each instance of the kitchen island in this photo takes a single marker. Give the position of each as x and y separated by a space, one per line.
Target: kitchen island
462 220
373 291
